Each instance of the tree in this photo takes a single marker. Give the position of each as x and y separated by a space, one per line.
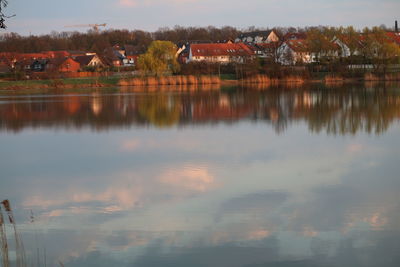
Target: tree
159 59
3 4
379 49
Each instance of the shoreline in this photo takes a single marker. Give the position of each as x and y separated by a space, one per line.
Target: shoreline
73 83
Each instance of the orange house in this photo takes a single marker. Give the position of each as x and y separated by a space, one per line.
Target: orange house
62 65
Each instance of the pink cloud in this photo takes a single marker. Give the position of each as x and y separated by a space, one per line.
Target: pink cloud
127 3
192 178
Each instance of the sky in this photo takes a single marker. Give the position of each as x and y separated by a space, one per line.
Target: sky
44 16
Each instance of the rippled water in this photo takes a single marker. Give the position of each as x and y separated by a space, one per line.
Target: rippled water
282 177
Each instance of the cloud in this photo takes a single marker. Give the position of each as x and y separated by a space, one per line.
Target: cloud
192 178
127 3
130 145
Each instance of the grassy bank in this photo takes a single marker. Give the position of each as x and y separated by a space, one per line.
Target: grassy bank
184 82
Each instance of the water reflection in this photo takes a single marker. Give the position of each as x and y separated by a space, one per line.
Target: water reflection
345 110
180 188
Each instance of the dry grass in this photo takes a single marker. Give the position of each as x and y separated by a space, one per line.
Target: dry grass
191 79
151 81
257 79
392 77
293 79
371 77
331 79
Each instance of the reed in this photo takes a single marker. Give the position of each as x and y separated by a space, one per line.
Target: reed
184 80
215 80
191 79
151 81
137 82
19 246
370 77
162 80
171 80
178 80
293 79
392 77
123 82
3 241
204 80
333 79
257 79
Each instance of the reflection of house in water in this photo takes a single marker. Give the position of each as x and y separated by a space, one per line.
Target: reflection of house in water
337 112
96 104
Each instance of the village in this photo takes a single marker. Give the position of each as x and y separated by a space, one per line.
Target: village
374 50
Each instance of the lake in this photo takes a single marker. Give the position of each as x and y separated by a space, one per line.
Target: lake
239 177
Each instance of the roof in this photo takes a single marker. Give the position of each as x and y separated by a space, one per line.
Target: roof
255 34
220 49
131 50
394 36
268 46
298 45
59 61
346 40
54 54
84 60
295 36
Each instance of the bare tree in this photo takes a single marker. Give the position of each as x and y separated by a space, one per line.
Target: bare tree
3 4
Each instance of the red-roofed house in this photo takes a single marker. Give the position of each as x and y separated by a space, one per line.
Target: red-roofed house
394 36
220 53
62 65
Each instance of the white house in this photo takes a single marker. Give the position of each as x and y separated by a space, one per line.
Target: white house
258 37
295 51
220 53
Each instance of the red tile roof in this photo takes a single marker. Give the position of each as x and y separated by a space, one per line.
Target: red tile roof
394 36
220 49
298 45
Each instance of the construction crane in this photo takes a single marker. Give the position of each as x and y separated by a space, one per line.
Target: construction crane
95 27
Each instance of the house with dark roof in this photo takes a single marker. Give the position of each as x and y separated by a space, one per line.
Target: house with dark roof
258 37
89 61
220 53
295 36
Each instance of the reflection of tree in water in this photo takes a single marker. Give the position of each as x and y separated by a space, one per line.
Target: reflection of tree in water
348 112
335 111
160 110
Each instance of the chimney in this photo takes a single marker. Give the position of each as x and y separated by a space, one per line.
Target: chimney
396 26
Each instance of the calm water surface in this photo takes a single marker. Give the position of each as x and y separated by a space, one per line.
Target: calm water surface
247 178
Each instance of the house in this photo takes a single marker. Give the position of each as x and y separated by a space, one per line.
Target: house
346 48
5 67
220 53
295 36
62 65
39 65
55 54
268 50
113 57
258 37
7 62
89 61
293 52
394 37
183 51
132 54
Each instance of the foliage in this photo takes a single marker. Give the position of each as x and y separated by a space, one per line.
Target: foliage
379 49
159 59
